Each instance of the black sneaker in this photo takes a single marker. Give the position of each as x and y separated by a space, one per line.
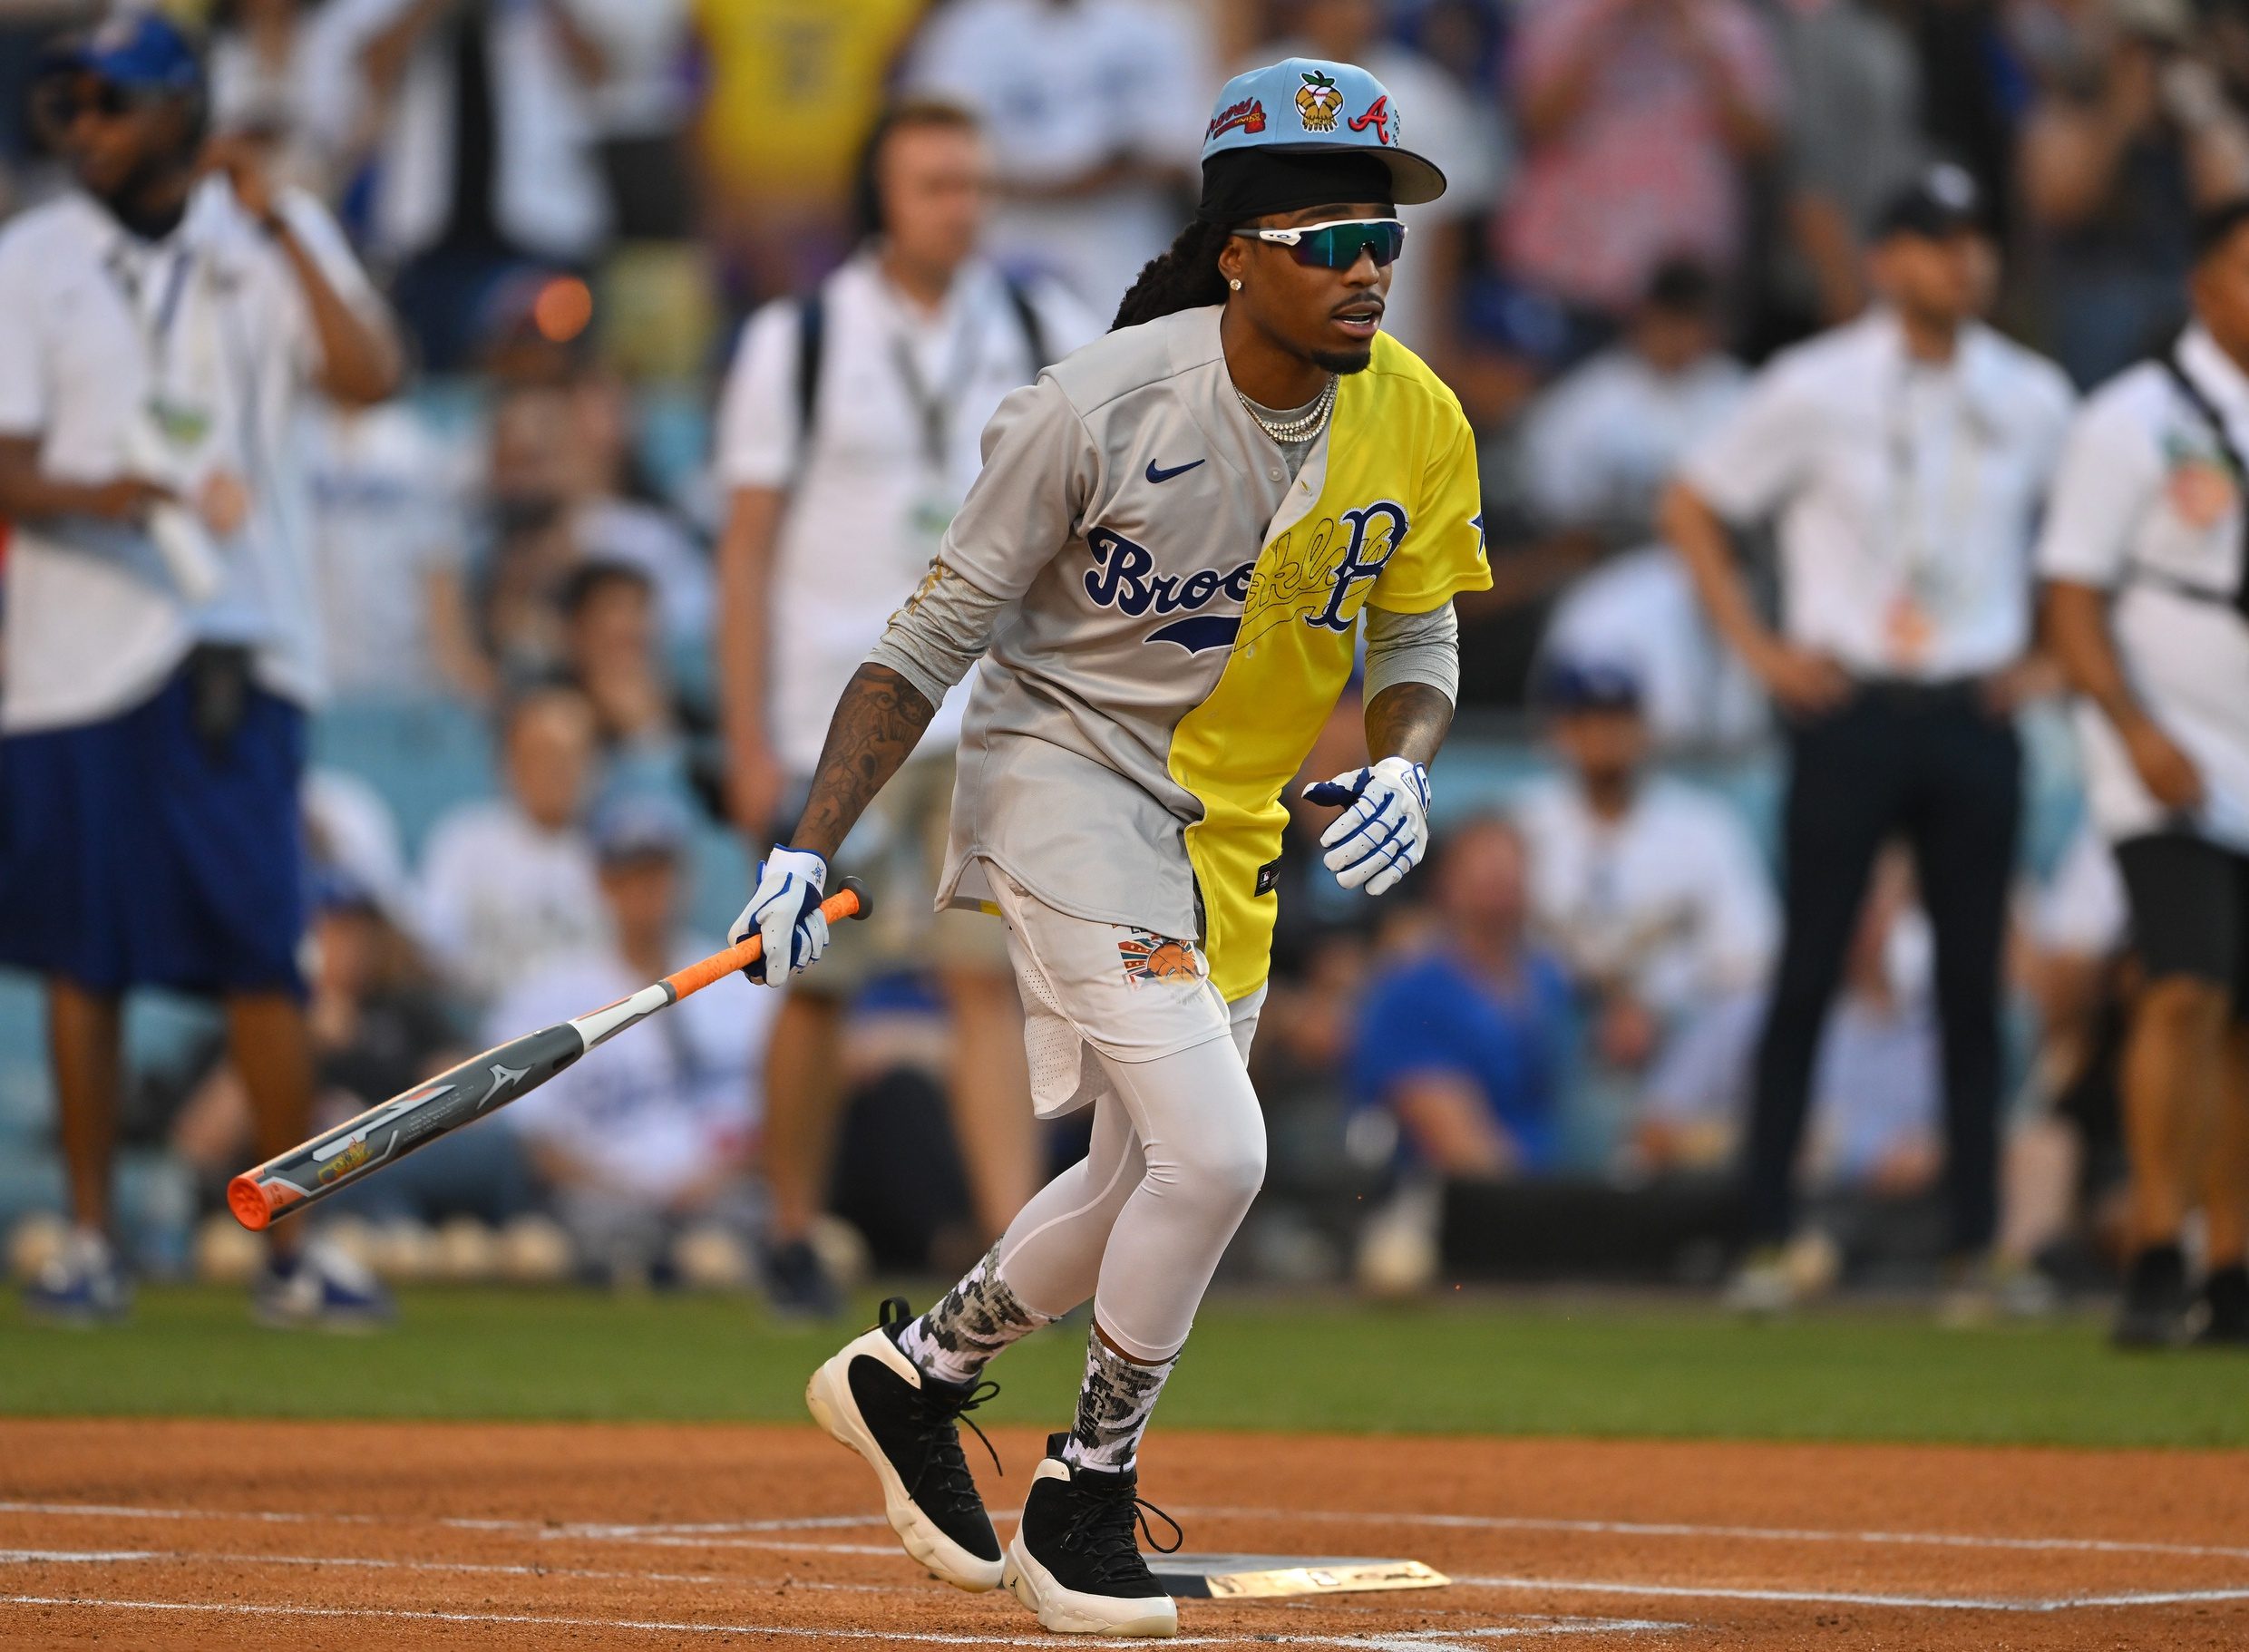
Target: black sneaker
2224 1309
906 1425
797 1285
2155 1300
1074 1561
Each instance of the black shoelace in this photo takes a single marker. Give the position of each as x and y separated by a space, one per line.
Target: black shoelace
944 1466
1114 1516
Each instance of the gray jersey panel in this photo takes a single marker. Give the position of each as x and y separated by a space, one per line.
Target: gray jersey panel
1125 499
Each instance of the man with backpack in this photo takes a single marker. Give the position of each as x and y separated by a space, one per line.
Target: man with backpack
848 437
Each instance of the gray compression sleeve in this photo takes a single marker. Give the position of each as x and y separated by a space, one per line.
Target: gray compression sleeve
1413 649
941 631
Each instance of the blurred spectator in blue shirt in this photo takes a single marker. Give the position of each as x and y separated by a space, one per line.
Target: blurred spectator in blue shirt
1462 1043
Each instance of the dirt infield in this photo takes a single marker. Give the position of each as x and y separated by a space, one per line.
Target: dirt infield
196 1534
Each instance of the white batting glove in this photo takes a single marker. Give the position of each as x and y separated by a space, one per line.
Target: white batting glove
1384 834
786 910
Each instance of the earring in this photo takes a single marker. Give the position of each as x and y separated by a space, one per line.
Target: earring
1235 284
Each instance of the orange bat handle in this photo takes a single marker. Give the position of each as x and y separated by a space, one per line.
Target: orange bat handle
849 901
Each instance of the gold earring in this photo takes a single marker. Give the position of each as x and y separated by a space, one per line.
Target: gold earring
1235 284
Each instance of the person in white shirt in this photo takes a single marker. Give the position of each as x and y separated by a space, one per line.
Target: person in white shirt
391 533
276 76
511 881
1094 108
646 1139
484 147
1638 610
2147 605
159 325
1653 893
641 108
1602 441
1905 456
848 437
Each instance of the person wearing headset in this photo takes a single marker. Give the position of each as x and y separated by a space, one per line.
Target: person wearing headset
847 439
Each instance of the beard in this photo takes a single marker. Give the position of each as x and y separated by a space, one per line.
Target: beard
1344 361
143 200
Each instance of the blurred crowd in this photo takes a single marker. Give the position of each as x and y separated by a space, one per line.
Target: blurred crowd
522 808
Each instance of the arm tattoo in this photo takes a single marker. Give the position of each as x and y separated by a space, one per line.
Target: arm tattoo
1408 720
875 727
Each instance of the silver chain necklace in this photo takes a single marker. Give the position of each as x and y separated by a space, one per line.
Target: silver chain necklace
1301 427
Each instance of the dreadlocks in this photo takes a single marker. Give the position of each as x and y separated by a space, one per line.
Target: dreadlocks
1185 277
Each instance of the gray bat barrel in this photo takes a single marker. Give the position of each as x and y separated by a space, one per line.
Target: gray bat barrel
384 1134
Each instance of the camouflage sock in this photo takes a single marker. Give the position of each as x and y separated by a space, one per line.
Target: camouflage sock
1113 1407
976 1319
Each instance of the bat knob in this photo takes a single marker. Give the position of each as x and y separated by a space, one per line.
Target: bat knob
860 893
246 1198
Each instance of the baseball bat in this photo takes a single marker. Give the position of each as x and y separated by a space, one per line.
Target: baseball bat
358 1147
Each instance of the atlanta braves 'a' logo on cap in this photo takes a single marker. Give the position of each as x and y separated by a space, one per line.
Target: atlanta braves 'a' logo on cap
1319 101
1379 118
1249 115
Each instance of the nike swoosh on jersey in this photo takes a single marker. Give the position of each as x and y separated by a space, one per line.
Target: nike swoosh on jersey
1155 473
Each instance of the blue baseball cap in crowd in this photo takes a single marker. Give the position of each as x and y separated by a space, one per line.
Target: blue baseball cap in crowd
1306 123
638 825
1568 686
141 51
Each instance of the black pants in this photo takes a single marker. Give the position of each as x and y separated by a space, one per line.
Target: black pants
1932 766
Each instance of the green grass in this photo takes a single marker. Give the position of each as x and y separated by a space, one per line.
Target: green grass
1498 1366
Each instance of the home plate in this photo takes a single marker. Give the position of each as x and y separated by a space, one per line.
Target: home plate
1250 1577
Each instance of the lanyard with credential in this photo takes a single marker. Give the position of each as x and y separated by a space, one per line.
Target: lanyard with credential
2224 436
930 410
155 326
1922 553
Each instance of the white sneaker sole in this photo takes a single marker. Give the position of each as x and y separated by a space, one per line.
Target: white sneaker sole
828 1396
1067 1612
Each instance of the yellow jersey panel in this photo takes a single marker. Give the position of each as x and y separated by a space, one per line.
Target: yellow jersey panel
1398 521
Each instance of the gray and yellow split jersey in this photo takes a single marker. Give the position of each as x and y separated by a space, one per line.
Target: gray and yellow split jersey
1176 617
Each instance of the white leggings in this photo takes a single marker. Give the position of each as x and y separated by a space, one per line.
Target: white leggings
1140 1222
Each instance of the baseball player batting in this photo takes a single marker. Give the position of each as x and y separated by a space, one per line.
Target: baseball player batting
1178 536
479 1086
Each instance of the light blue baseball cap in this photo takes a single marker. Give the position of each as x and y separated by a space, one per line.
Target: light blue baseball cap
1310 105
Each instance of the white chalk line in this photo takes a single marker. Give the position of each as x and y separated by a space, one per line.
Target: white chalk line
1414 1641
469 1568
603 1529
101 1557
658 1534
1823 1596
682 1534
1775 1534
812 1522
1549 1585
98 1557
134 1511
